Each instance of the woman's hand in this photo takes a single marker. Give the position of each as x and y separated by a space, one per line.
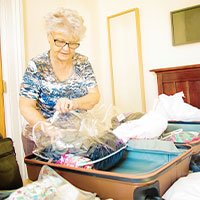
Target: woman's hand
64 105
86 102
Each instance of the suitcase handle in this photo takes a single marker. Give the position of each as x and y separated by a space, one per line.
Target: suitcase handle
148 192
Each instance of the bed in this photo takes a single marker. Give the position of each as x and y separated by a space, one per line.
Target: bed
181 78
170 81
186 79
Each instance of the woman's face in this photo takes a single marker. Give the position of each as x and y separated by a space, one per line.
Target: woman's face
61 46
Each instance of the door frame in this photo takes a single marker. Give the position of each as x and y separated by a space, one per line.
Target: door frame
139 95
2 114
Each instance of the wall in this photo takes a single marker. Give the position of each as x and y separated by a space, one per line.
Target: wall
156 38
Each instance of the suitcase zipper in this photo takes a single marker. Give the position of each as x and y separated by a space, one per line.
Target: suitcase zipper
6 154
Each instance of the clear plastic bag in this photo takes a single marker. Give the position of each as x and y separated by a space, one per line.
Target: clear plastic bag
51 186
55 137
80 134
73 124
94 122
181 136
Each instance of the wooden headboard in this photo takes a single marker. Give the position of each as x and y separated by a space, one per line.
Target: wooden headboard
177 79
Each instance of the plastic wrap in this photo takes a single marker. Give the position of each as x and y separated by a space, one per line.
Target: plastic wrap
181 136
51 186
79 134
94 122
55 137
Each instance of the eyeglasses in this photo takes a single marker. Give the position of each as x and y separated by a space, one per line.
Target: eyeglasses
60 43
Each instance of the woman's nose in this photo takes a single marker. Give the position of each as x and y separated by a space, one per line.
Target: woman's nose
66 47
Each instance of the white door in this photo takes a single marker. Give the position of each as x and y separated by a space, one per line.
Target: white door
2 119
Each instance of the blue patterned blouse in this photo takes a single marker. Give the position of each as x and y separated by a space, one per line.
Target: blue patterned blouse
41 84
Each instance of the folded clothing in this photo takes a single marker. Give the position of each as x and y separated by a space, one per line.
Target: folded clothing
124 117
72 160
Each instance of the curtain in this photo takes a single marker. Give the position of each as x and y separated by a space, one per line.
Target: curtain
13 65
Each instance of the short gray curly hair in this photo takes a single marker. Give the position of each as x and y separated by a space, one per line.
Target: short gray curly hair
65 21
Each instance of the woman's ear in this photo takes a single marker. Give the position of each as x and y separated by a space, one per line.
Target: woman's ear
49 37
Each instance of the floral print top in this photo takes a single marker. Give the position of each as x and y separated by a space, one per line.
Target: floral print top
41 84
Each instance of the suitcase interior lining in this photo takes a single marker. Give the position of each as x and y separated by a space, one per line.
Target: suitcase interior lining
185 126
139 161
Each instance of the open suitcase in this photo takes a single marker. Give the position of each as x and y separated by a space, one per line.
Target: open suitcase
140 174
186 126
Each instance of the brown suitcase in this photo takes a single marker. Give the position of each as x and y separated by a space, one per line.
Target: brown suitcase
140 174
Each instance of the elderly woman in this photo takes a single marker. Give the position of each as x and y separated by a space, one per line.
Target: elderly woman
60 79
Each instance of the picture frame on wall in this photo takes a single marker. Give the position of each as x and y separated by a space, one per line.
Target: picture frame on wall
185 25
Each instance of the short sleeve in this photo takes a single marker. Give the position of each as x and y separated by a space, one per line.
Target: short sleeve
30 85
89 76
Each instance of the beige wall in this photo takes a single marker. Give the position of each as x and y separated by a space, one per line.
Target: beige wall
155 24
35 35
157 49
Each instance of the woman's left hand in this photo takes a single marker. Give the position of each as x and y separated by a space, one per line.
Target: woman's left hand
64 105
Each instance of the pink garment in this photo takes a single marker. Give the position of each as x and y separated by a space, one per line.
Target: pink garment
71 160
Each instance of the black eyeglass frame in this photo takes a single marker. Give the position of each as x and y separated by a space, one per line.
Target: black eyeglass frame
66 43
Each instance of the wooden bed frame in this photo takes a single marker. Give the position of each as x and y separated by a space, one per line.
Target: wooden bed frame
177 79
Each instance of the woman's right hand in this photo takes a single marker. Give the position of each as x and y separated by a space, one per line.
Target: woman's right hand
64 105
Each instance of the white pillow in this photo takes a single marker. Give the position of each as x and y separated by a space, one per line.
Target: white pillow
174 108
185 188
